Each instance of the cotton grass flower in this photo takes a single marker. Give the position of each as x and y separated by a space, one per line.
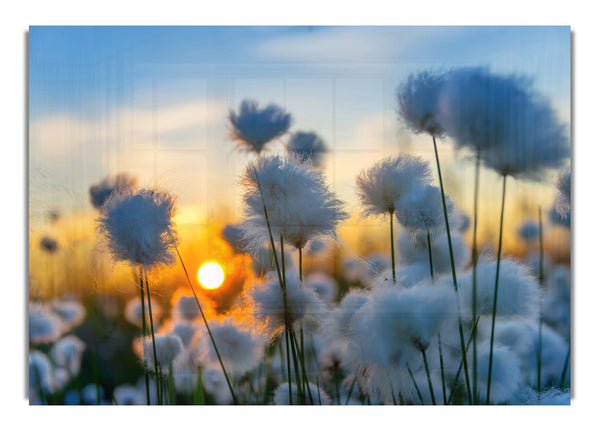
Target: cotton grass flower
548 397
70 311
128 395
281 395
506 374
67 353
240 348
99 193
518 291
303 304
40 372
418 101
253 127
168 347
421 210
49 245
133 311
308 146
234 235
184 306
325 286
413 249
214 382
388 181
563 201
138 227
297 200
396 324
45 326
529 231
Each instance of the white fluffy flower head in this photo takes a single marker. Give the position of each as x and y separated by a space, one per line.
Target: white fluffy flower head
298 201
138 227
418 101
253 127
308 146
388 181
421 210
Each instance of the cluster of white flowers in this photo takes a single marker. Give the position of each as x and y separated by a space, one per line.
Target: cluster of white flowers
49 325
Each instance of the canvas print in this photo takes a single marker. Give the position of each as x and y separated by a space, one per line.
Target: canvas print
299 215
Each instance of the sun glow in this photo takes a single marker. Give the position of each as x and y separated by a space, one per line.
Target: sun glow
211 275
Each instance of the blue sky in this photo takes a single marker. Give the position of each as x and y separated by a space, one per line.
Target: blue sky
153 100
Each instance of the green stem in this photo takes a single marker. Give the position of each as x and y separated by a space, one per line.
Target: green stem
199 392
156 375
171 386
430 256
144 333
443 375
350 391
495 303
474 258
302 364
288 325
318 388
541 279
235 400
460 366
392 244
563 375
428 376
415 384
460 327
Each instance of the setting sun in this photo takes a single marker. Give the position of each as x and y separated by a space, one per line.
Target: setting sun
211 275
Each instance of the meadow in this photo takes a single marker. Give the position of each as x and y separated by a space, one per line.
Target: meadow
281 312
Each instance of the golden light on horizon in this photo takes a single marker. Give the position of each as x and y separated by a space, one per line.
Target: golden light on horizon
211 275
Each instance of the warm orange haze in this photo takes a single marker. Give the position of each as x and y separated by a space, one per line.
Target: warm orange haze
286 220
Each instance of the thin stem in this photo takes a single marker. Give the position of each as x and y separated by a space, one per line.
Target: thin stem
474 258
541 280
415 384
299 387
318 388
460 327
300 349
300 263
392 244
428 376
443 375
235 400
563 375
460 366
495 303
156 375
144 333
430 255
350 391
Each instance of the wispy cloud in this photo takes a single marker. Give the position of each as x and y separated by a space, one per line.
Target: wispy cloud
343 44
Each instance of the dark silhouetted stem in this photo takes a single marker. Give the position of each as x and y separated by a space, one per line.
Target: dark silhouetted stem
495 303
392 244
428 376
474 257
235 400
415 385
451 253
156 375
541 280
144 333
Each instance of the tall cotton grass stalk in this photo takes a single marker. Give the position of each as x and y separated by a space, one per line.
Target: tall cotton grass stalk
387 182
495 302
541 280
235 400
144 332
418 101
460 327
474 258
143 275
460 366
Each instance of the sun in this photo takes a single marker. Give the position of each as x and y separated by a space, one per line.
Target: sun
211 275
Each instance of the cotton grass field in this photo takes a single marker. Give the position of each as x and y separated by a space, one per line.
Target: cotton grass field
434 317
293 230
